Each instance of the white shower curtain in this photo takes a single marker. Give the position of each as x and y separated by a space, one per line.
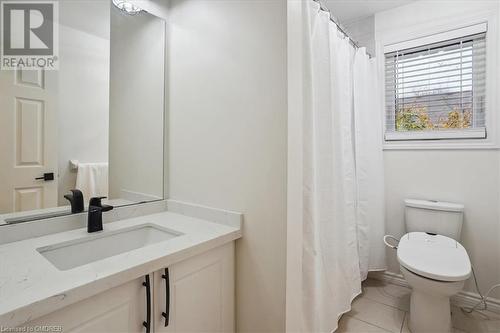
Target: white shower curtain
342 172
369 165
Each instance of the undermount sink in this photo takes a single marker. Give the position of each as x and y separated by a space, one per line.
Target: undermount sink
103 245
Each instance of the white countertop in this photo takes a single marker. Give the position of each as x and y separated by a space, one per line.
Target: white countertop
30 286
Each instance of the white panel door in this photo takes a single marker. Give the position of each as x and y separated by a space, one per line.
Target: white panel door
28 144
201 294
118 310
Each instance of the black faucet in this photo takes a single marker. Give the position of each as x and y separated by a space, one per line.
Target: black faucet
95 214
76 201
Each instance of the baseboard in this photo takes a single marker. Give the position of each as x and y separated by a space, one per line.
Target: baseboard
463 299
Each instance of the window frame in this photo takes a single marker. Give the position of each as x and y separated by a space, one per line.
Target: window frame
411 36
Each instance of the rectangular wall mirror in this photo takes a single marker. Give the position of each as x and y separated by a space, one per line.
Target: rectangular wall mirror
96 124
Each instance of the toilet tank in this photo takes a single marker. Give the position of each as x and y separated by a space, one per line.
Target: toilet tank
443 218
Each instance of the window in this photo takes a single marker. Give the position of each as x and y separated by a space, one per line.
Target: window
436 90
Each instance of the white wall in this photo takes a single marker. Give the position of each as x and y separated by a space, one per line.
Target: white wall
466 176
362 30
228 136
294 228
83 96
137 77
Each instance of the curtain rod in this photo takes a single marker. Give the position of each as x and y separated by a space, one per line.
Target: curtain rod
339 26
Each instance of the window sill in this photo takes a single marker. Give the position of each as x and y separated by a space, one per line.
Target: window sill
466 134
440 145
446 139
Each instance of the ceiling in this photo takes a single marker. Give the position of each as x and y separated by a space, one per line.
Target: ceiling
350 10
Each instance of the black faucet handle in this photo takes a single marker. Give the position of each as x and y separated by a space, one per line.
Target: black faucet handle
106 208
76 201
96 201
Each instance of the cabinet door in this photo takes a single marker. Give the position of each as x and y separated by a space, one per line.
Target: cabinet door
201 293
121 309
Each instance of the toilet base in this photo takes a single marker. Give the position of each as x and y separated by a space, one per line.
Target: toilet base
430 310
429 313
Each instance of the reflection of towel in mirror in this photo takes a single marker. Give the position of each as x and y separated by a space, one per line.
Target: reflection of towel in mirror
92 180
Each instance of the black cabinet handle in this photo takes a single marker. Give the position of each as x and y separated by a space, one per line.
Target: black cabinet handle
147 323
166 314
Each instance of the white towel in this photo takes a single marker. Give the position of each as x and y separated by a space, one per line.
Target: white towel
92 180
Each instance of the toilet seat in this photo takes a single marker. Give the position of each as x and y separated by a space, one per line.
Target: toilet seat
435 257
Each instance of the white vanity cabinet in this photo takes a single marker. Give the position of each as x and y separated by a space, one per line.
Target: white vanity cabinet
201 299
201 293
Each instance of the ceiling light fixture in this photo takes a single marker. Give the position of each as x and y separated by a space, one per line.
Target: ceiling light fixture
127 7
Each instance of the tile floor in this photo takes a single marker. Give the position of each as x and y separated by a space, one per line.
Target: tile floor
384 308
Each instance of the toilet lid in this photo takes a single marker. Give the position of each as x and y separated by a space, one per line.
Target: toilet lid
434 256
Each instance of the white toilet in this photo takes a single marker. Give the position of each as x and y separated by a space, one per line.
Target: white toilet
433 262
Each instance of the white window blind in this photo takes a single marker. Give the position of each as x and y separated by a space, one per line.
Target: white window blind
437 91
